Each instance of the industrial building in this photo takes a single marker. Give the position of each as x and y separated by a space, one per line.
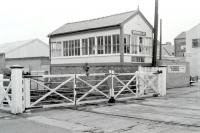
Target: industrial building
193 49
180 45
32 54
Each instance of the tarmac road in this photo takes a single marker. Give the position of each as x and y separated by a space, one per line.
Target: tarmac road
178 112
21 125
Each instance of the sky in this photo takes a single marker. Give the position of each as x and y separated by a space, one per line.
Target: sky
28 19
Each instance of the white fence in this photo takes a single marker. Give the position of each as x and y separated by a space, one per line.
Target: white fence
11 91
5 93
76 89
161 78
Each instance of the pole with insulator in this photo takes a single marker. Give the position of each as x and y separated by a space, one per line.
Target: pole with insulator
160 57
155 30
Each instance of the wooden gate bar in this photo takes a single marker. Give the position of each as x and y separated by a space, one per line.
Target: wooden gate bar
93 88
149 83
51 91
125 86
4 94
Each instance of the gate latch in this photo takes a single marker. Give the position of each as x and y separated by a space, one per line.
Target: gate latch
158 72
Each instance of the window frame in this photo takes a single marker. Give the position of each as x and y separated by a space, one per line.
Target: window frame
126 43
91 44
77 47
65 48
197 43
56 49
116 43
100 45
108 44
85 46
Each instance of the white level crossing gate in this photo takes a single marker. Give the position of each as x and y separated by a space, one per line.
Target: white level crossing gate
5 93
77 89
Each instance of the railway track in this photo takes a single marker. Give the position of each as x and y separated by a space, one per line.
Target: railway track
84 109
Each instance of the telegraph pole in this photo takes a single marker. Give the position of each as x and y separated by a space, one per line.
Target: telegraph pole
160 58
155 41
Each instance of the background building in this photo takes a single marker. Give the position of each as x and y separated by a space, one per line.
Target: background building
193 49
180 45
167 51
178 71
33 55
120 42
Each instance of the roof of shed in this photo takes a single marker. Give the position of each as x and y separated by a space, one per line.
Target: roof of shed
182 35
7 47
168 50
107 21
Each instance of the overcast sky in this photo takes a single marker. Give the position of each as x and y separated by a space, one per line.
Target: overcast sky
27 19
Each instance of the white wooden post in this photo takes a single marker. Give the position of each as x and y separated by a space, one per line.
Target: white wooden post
112 82
1 80
164 92
17 90
137 83
112 91
27 97
1 87
162 82
74 91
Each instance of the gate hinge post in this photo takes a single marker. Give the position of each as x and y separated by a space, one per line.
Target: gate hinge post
17 90
27 89
1 89
137 83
